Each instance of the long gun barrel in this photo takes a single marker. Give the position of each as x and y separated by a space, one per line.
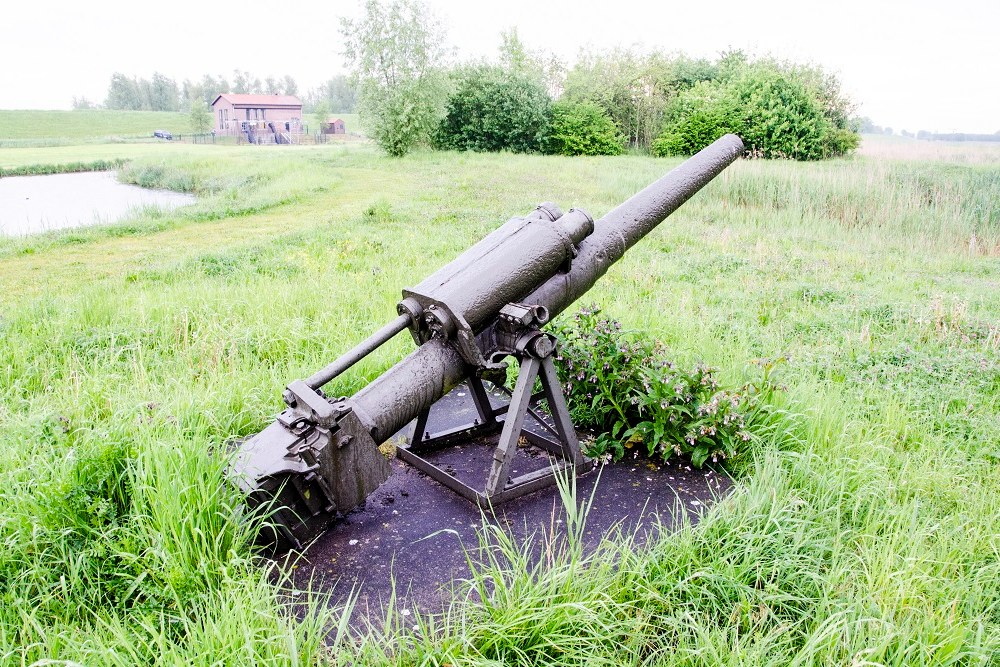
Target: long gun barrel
321 456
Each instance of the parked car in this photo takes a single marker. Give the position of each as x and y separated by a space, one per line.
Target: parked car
163 134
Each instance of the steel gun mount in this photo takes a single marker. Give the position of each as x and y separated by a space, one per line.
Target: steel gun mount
321 456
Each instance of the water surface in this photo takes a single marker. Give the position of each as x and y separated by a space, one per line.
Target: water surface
32 204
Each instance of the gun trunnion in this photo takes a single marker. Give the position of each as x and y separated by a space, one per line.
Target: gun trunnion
321 456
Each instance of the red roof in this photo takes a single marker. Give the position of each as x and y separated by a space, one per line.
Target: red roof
260 100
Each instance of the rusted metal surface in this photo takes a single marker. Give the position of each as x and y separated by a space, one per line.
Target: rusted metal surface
545 259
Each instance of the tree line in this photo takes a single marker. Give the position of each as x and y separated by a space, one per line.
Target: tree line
162 93
867 126
529 101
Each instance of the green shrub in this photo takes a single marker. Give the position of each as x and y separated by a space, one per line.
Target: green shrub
779 111
402 117
696 118
583 128
493 109
781 116
624 388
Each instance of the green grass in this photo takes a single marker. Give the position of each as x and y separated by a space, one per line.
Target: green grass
28 157
26 126
63 168
864 531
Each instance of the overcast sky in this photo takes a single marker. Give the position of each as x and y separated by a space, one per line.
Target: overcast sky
910 65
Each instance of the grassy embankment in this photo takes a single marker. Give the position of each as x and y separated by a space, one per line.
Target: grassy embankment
39 128
33 128
865 532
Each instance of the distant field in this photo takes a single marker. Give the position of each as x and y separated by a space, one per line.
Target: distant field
87 125
906 148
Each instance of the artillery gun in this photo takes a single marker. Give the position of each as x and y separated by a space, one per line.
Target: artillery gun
321 457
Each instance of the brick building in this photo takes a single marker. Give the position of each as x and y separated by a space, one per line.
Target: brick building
258 117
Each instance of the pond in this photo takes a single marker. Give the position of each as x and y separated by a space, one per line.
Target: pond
32 204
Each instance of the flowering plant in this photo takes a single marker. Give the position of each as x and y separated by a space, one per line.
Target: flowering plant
624 389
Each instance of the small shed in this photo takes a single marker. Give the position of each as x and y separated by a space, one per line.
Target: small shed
334 126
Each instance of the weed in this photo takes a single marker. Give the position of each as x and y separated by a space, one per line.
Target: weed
625 389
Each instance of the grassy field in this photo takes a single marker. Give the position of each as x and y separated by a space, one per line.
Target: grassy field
909 149
864 531
86 125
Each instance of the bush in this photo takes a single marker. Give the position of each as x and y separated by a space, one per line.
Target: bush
626 390
400 118
494 110
778 110
696 118
582 129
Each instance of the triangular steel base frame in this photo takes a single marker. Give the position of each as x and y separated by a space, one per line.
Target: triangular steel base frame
564 446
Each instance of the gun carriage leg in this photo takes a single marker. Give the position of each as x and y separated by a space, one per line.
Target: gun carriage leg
564 447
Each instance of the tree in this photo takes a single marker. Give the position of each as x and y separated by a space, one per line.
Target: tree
545 67
82 103
696 118
163 93
123 93
626 85
207 89
145 88
635 89
514 54
494 110
396 56
245 83
200 116
321 112
338 93
212 87
191 91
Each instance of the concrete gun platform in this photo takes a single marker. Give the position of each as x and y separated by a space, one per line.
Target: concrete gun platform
412 530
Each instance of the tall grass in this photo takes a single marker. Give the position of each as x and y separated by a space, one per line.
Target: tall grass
61 168
794 568
863 532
